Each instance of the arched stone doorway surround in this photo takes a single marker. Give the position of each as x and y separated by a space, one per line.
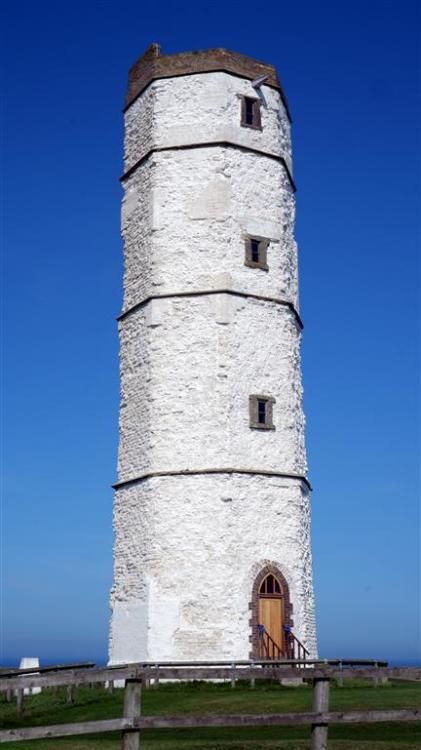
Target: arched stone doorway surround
269 568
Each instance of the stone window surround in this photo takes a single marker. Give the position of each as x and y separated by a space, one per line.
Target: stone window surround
263 252
254 605
254 423
257 116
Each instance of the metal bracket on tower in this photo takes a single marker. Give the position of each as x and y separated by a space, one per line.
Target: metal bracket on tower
257 84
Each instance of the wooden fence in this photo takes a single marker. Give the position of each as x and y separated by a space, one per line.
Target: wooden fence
319 673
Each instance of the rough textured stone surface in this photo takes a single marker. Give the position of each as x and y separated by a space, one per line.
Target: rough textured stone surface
188 548
186 382
199 109
208 199
185 218
187 552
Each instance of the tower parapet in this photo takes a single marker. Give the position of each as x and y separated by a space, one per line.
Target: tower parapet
153 65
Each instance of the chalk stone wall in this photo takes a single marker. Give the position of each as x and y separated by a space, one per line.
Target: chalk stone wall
187 552
201 109
188 366
188 548
185 218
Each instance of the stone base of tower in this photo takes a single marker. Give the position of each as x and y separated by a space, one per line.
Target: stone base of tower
188 552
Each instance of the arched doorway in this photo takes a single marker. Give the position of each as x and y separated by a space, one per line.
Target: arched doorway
271 614
271 618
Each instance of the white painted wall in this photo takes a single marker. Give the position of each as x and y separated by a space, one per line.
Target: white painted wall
185 215
185 386
203 107
188 548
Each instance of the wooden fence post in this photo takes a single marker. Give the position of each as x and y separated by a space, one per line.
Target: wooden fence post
132 696
19 701
252 679
340 679
70 694
320 704
156 679
233 675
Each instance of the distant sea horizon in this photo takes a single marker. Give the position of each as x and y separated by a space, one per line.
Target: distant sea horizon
101 661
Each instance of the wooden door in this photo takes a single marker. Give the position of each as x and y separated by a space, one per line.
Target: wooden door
271 616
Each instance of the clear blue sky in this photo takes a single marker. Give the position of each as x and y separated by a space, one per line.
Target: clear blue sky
350 74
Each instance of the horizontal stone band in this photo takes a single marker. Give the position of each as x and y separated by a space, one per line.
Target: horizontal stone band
205 292
195 472
210 144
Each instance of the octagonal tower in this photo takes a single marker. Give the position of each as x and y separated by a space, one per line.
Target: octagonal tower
212 556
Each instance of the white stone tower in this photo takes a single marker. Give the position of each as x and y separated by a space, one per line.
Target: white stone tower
211 512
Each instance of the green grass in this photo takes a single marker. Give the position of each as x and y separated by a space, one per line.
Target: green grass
96 703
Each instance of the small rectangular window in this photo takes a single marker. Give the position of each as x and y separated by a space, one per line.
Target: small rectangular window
261 412
256 252
250 113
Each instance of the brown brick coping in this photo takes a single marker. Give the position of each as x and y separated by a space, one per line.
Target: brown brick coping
153 65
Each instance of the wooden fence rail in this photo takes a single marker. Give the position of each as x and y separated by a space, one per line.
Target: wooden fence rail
275 672
318 672
213 720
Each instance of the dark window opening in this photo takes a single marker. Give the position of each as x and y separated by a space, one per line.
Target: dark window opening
270 585
261 412
250 113
255 255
